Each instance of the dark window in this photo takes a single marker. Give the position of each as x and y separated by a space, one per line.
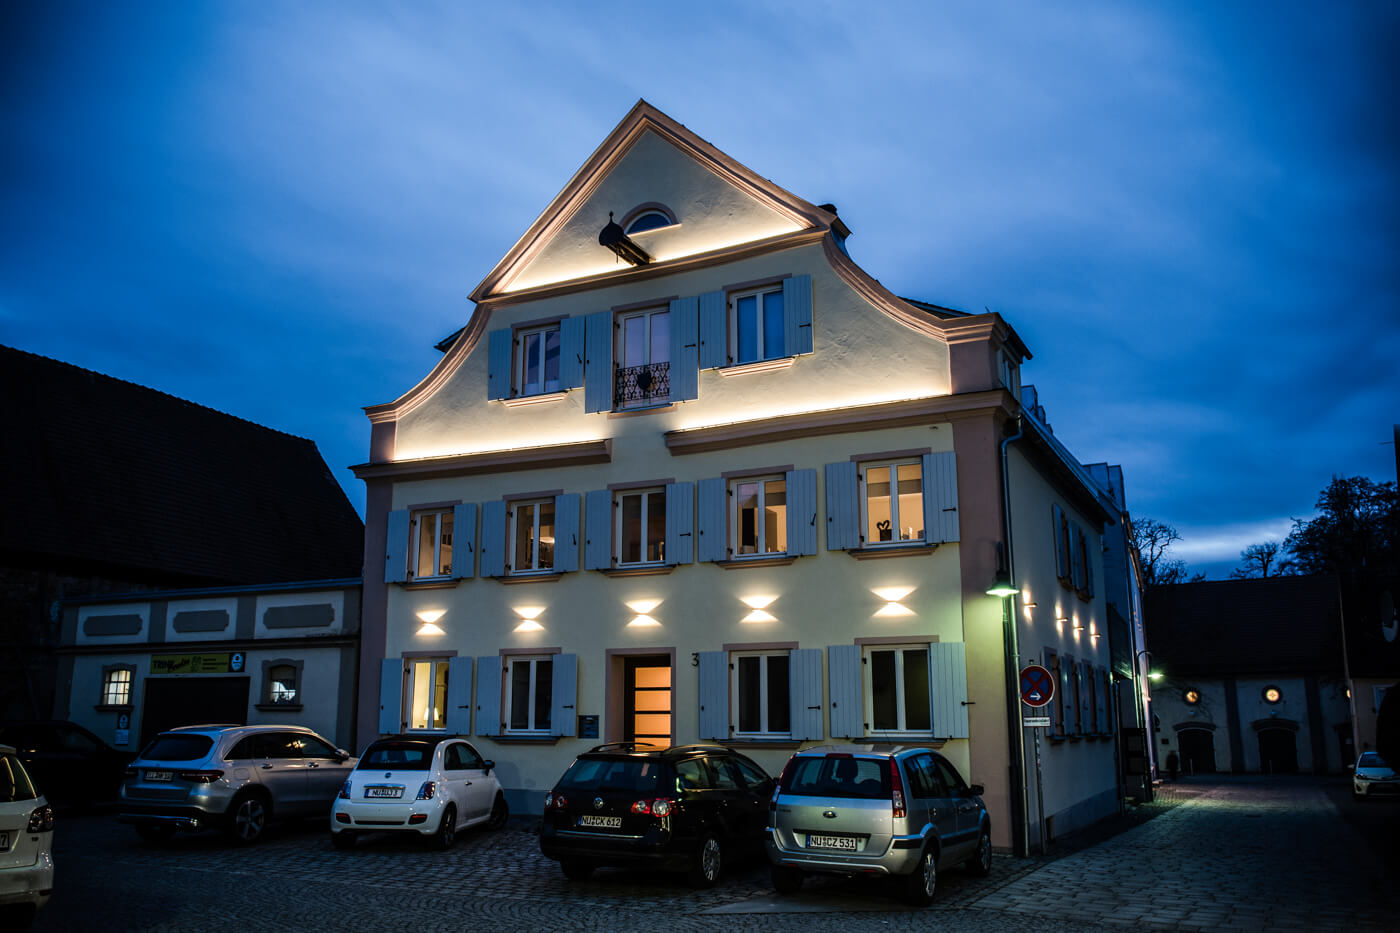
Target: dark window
312 747
951 779
692 775
750 773
724 778
651 220
397 756
14 781
178 748
839 776
639 776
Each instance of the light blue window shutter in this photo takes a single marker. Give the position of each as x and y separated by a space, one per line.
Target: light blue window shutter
493 539
564 693
680 523
805 693
488 695
396 546
566 512
1089 566
714 331
500 346
714 695
847 688
1066 688
948 689
685 349
598 371
797 315
1076 554
597 529
842 506
801 512
1086 711
1056 517
571 356
459 696
464 540
940 497
712 504
391 673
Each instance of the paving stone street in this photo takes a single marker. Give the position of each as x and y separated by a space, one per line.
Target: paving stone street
1231 854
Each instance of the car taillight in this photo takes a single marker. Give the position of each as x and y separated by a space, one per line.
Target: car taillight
344 791
560 801
427 790
41 820
661 806
548 801
201 777
896 790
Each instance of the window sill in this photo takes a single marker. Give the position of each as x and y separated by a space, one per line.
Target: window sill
759 366
434 583
279 707
526 739
515 578
892 550
643 410
522 401
113 707
777 560
902 738
644 570
774 742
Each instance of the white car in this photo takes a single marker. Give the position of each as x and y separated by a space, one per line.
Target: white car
26 842
428 784
1373 776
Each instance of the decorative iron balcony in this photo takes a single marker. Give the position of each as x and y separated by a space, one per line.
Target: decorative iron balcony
636 386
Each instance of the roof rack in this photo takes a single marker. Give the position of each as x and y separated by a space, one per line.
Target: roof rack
628 746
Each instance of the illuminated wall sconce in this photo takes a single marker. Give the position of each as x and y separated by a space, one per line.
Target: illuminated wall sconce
643 608
429 618
759 605
893 608
1078 626
1095 636
1029 604
528 615
1060 623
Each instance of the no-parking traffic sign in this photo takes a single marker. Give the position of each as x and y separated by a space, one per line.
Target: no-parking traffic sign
1037 686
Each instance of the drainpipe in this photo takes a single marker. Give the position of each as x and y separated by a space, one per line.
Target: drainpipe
1019 821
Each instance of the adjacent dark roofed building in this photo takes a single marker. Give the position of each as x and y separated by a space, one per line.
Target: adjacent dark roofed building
104 476
1237 627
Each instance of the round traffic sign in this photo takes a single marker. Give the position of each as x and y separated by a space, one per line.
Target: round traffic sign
1037 686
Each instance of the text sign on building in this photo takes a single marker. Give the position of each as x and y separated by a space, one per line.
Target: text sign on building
1037 722
191 664
1037 686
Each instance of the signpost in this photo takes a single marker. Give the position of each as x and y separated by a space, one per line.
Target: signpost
1037 690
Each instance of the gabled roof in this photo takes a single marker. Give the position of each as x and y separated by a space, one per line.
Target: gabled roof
122 479
1268 626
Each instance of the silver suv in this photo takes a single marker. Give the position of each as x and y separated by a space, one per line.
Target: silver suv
878 810
234 778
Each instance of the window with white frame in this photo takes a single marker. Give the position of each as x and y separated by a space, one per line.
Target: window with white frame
282 684
756 325
897 689
529 695
643 373
892 507
758 516
532 535
427 693
537 354
116 686
640 530
648 220
760 701
431 543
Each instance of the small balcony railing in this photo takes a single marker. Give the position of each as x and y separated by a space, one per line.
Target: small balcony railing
638 386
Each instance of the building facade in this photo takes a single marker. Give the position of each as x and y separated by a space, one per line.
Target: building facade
689 473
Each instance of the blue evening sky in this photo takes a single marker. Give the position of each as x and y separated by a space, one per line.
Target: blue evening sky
1187 210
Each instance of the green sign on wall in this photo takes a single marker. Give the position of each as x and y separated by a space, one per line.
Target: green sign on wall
195 663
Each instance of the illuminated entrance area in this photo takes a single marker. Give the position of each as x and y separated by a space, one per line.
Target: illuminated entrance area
647 699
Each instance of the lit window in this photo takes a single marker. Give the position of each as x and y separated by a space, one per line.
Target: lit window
893 504
537 360
116 687
897 690
428 694
761 697
532 536
756 326
432 544
643 375
282 684
759 516
529 694
1273 695
641 526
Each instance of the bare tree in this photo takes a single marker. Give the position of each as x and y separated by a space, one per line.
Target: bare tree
1258 559
1151 539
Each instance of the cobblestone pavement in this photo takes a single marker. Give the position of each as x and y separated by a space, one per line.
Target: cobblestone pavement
1221 856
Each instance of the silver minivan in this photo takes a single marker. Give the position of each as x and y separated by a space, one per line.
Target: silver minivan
878 810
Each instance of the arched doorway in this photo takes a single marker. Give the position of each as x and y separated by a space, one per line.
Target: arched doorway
1278 751
1197 751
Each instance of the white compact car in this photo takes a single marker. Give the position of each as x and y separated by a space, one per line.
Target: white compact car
1373 776
432 785
26 842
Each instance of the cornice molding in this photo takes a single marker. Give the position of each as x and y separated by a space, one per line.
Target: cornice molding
491 461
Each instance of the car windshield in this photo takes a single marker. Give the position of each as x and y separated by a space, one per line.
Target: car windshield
838 776
632 775
14 781
1370 760
174 746
398 756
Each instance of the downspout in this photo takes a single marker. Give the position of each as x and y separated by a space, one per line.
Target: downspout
1019 821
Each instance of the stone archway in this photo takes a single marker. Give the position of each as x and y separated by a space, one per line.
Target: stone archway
1278 751
1197 751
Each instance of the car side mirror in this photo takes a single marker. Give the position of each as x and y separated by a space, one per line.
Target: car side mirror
976 790
342 754
487 765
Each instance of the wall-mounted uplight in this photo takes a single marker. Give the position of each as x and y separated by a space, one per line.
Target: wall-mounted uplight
643 608
1078 626
429 618
1060 622
528 614
893 608
643 621
758 604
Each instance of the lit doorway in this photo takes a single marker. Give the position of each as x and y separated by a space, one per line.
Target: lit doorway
646 699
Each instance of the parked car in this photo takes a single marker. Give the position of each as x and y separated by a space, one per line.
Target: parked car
686 808
1372 777
235 778
68 762
433 785
26 843
896 810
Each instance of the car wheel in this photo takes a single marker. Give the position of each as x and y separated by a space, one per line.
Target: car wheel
981 863
500 812
786 880
707 862
155 832
248 819
920 884
343 840
446 832
576 871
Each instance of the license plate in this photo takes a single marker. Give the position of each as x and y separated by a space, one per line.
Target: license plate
606 822
4 842
159 775
848 843
383 791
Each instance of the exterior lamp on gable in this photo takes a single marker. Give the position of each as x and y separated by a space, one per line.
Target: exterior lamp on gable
613 237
